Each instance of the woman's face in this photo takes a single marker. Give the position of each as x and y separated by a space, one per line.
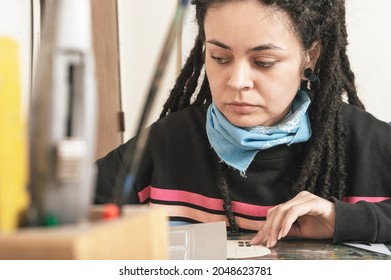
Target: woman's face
253 61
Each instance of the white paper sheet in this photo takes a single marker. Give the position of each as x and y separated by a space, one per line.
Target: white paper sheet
373 247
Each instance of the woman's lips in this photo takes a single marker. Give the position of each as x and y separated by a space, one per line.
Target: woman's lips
242 108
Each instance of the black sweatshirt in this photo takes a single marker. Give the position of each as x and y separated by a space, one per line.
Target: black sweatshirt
179 172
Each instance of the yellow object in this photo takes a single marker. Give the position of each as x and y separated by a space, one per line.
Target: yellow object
13 140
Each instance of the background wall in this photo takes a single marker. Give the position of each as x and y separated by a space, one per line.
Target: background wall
16 22
370 52
143 25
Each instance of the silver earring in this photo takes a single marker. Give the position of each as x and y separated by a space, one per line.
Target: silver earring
311 76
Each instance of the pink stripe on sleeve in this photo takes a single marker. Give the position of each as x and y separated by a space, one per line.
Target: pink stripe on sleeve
250 209
354 199
144 194
188 197
203 201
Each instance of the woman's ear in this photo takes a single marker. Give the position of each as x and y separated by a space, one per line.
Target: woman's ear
312 56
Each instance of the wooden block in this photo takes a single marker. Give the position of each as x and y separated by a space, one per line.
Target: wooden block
140 233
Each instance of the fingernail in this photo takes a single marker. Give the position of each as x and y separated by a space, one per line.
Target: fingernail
279 235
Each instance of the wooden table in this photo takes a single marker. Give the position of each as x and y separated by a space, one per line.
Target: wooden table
304 249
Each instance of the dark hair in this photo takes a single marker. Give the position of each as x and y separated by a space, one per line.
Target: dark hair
323 171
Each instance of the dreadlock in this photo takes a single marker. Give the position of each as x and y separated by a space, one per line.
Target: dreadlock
323 171
187 82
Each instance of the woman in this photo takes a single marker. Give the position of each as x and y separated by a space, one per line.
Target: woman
267 143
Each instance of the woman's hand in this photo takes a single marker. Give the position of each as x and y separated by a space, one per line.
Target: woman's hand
306 215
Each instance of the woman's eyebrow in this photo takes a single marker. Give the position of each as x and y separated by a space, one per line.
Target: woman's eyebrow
219 44
266 47
255 49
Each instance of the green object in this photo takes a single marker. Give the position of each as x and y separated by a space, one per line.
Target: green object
51 220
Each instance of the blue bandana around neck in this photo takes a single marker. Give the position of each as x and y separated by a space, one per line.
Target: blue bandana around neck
237 146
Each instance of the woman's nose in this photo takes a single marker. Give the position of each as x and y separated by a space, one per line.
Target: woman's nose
240 78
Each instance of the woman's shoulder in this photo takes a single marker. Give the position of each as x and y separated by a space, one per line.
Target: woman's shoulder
358 121
193 116
179 130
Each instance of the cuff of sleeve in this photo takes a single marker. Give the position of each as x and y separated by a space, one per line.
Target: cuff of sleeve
354 222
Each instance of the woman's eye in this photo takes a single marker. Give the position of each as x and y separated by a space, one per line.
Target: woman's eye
220 60
264 64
